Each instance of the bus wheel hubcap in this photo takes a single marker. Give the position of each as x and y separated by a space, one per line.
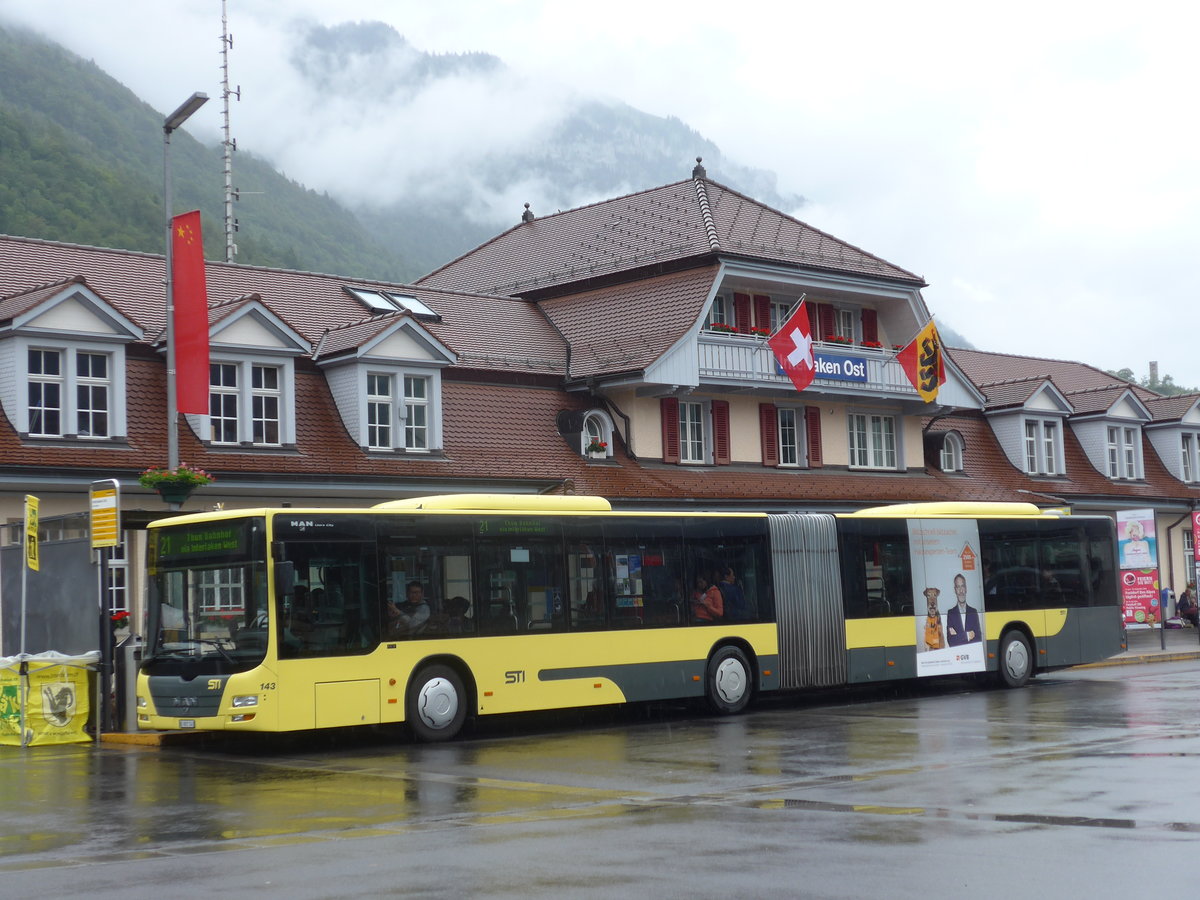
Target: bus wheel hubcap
438 703
730 681
1016 659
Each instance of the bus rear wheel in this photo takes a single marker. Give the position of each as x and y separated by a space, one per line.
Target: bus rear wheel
727 682
436 707
1016 659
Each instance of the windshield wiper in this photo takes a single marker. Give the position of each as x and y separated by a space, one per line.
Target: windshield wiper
173 647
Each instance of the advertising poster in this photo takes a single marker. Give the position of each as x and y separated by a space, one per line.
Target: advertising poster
1139 596
1196 535
1136 539
948 596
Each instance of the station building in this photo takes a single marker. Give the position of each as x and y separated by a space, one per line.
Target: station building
636 326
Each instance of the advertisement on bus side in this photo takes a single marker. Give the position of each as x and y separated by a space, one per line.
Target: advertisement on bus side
948 596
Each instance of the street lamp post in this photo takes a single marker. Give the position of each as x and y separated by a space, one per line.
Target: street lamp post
171 123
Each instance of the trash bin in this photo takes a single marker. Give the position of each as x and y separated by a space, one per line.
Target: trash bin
54 690
126 659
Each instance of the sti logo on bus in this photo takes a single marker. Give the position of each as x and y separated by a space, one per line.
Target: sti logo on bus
214 684
515 676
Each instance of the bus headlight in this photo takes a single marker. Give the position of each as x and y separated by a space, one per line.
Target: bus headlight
245 700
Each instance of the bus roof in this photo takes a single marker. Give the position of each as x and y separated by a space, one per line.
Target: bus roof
508 502
954 509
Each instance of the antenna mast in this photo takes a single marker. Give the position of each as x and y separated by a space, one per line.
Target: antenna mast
229 144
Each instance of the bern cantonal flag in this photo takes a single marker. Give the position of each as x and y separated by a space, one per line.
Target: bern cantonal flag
793 347
922 362
190 322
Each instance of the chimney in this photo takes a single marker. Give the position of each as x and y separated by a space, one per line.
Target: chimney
527 216
1154 373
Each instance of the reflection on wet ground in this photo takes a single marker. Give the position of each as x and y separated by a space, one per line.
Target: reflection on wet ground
898 766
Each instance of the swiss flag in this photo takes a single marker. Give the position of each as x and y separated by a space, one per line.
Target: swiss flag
793 347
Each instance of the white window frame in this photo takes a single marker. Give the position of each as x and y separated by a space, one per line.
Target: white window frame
599 426
847 323
951 457
695 434
46 383
873 441
415 410
1190 456
262 396
381 403
791 437
405 426
249 395
1043 445
68 382
116 580
1124 446
779 311
720 312
94 386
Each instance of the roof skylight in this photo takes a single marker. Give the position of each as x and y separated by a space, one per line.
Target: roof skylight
382 301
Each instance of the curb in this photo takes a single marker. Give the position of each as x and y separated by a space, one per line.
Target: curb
1181 656
144 738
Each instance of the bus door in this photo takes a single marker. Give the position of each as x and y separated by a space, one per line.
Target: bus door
1064 590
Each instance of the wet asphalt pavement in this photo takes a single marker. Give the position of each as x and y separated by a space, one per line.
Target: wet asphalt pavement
1086 783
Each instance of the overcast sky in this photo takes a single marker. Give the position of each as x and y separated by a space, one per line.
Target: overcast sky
1036 162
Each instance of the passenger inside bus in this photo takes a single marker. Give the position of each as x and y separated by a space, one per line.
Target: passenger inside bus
411 616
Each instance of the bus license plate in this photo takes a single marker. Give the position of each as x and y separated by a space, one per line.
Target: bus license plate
187 723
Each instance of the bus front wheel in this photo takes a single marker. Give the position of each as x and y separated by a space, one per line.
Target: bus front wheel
727 683
436 709
1016 659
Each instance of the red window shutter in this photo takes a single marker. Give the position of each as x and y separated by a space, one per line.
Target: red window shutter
670 429
768 423
812 428
826 321
870 325
720 415
762 311
741 311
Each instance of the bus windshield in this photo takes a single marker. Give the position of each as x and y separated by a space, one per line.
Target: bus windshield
208 596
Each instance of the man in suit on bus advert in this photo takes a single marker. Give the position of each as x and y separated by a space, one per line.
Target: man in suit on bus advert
962 621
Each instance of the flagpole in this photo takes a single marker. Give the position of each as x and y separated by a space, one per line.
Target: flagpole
171 123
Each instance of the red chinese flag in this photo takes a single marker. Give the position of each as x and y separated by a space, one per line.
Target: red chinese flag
922 362
190 325
793 348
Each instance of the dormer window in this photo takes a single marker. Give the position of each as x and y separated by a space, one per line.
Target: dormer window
1043 446
1124 452
69 393
597 430
951 457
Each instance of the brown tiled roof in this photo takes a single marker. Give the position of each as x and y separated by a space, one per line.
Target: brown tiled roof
627 327
1003 376
15 304
1006 394
993 368
1166 409
509 334
688 220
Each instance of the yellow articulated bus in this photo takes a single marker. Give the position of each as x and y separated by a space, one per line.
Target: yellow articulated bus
429 610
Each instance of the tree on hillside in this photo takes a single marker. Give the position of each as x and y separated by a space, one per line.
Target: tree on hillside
1165 385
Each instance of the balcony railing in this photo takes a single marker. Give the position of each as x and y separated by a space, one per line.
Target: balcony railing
745 360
